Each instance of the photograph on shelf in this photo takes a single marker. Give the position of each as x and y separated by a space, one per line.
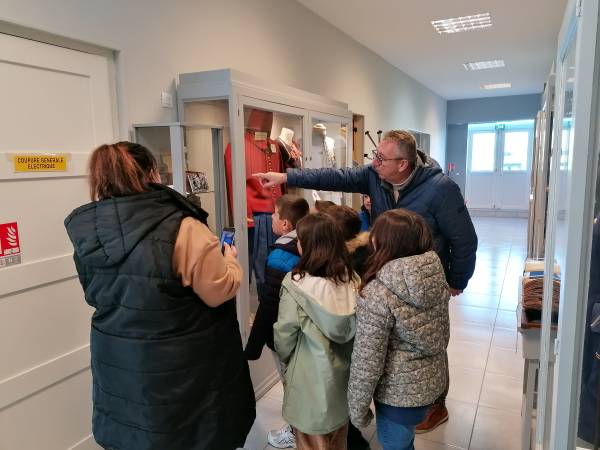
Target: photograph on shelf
196 182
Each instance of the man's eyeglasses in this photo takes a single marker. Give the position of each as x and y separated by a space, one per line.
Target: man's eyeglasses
376 155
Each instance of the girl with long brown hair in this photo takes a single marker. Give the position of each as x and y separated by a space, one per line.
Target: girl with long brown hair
399 357
167 365
314 333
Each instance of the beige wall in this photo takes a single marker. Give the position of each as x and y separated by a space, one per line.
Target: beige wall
276 40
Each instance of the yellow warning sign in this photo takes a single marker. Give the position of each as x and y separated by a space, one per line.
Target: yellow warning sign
40 163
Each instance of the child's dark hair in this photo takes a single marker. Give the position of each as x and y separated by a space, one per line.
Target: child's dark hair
397 233
292 208
347 219
324 251
323 205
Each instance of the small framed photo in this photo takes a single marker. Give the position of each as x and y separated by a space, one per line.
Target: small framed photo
196 182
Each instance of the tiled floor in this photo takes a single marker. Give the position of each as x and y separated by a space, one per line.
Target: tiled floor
486 367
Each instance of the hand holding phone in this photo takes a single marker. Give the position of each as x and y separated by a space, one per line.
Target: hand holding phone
227 237
230 251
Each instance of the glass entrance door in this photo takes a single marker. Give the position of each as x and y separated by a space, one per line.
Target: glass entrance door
499 163
481 174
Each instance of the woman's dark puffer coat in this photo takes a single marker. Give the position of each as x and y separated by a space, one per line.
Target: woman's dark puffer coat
168 371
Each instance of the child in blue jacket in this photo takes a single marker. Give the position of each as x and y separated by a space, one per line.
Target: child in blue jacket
284 256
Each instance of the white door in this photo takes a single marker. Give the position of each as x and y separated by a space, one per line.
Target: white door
516 152
499 165
54 100
481 169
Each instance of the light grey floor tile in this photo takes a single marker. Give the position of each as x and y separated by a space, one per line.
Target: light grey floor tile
496 266
480 300
468 354
506 319
492 253
511 281
510 290
268 417
479 334
496 430
462 315
422 444
508 303
502 392
492 274
505 362
465 384
483 288
504 338
457 431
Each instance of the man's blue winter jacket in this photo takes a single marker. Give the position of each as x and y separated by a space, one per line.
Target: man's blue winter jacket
430 193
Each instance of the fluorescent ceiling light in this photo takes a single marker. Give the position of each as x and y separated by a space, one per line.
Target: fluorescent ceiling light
496 86
481 65
464 23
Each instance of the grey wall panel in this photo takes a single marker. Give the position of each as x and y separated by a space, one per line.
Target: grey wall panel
492 109
456 153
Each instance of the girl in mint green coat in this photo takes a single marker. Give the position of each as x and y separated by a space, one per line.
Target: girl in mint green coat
314 335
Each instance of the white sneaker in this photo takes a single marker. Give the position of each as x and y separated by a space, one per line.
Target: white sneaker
282 438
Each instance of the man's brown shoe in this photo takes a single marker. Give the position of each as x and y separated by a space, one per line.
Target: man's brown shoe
437 415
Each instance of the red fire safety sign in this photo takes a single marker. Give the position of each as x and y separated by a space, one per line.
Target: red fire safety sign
10 248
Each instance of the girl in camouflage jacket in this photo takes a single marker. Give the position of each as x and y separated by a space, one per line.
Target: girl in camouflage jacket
399 354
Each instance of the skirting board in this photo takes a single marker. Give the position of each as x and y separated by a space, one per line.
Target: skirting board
514 213
87 443
266 385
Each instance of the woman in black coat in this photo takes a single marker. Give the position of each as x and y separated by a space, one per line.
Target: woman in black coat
167 364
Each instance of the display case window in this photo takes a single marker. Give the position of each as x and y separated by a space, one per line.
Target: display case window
329 149
189 160
157 139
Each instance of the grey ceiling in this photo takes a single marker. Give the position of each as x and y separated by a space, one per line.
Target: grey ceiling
524 34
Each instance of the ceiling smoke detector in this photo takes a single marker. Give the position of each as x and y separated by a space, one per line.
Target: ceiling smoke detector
464 23
496 86
482 65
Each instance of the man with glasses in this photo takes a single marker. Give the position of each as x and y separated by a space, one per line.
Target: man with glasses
403 177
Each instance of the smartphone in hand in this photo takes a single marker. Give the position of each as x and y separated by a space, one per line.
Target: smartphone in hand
227 237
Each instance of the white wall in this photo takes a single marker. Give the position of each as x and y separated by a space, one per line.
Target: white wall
276 40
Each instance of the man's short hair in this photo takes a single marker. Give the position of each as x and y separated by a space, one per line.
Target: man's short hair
407 145
292 208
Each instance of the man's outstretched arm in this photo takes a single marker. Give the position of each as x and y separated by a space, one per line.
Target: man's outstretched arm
337 180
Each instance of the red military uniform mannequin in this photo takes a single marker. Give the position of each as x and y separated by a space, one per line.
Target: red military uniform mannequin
262 155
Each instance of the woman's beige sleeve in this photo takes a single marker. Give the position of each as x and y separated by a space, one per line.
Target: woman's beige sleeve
198 260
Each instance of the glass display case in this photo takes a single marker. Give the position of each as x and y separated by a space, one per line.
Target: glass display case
265 127
540 172
190 160
329 149
568 415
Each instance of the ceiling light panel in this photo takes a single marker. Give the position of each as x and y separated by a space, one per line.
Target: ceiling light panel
464 23
496 86
482 65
